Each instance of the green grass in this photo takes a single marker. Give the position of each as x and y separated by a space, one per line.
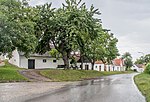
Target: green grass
9 73
74 75
143 83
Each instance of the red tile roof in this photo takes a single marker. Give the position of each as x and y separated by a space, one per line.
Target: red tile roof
118 62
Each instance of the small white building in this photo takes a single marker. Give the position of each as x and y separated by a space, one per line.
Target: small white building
118 65
35 61
99 66
138 67
86 65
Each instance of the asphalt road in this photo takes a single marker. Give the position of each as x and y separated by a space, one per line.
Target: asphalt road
116 88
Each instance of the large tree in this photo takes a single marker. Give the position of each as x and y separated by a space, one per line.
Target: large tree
102 48
16 27
65 27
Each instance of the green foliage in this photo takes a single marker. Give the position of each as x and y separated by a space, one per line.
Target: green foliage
147 70
54 53
143 59
146 58
66 27
16 27
140 61
143 83
127 60
40 29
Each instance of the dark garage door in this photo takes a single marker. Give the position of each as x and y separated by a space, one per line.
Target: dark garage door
31 63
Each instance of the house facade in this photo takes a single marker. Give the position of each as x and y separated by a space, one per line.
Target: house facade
118 64
35 61
138 67
99 66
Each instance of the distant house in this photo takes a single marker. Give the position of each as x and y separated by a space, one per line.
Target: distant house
35 61
86 64
117 65
138 67
99 66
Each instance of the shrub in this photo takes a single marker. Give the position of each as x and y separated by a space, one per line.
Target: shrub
147 70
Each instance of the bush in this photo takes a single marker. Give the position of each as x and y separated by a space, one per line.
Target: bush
147 70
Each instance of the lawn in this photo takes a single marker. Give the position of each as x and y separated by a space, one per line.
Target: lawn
74 75
143 83
9 73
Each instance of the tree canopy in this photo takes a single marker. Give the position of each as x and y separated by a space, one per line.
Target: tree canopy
127 60
16 27
40 29
143 59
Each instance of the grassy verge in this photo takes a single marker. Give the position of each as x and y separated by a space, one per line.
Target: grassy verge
9 73
143 83
74 75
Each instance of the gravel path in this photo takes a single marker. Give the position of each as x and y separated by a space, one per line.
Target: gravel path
34 76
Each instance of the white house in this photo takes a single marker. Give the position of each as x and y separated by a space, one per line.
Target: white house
118 65
35 61
86 64
138 67
99 66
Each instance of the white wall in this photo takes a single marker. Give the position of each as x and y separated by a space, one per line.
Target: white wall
89 64
97 67
117 68
15 60
84 64
39 64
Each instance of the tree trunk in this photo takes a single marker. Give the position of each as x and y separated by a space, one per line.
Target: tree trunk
81 62
92 63
66 61
126 68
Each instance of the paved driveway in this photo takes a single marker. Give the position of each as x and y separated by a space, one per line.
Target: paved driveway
116 88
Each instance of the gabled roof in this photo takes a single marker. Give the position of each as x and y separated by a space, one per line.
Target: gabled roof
118 62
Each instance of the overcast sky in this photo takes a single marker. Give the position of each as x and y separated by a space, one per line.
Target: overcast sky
129 20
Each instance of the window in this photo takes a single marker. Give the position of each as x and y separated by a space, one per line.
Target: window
44 60
54 61
95 66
